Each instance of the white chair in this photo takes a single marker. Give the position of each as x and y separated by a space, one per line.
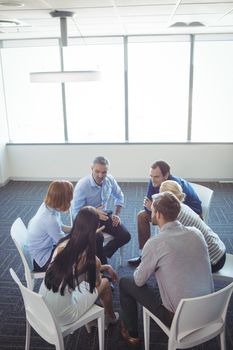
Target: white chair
196 320
108 238
205 194
19 235
226 272
43 321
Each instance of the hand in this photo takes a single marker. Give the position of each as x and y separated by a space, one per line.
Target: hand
115 220
147 203
102 215
112 273
100 229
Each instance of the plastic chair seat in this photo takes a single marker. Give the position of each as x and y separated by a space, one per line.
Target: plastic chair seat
19 235
195 321
205 194
43 321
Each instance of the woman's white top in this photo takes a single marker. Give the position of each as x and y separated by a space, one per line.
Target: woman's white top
69 307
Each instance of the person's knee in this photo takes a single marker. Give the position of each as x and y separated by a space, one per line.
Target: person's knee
143 216
127 237
125 282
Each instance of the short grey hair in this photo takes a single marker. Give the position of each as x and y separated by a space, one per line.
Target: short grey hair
100 160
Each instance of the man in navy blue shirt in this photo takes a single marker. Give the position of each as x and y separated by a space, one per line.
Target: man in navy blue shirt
159 172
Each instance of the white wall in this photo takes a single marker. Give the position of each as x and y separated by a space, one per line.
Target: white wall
4 173
128 162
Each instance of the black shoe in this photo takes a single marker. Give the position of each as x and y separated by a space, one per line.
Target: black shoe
135 261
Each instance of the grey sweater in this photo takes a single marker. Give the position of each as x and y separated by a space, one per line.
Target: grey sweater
178 256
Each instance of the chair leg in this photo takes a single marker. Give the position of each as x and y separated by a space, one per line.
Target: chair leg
28 335
223 340
146 328
101 331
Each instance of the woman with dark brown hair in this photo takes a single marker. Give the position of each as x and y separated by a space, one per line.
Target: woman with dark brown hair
73 279
45 229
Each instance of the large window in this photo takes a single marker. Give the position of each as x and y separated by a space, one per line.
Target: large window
95 110
213 92
34 110
158 91
146 92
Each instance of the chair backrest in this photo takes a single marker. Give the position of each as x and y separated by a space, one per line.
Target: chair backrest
201 313
19 235
205 194
38 314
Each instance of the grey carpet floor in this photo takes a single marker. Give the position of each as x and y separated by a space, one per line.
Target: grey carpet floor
22 199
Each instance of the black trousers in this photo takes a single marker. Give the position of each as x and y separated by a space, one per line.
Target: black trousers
148 296
121 237
219 265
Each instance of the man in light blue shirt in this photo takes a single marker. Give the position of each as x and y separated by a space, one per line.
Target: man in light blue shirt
96 189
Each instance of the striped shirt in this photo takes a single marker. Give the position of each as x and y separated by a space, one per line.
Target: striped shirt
216 247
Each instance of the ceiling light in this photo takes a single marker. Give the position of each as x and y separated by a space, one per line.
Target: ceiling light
11 4
64 76
10 22
67 76
184 24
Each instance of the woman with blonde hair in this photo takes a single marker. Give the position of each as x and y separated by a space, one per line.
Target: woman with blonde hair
187 217
73 279
45 229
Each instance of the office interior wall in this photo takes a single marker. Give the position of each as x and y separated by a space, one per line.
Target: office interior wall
128 162
4 173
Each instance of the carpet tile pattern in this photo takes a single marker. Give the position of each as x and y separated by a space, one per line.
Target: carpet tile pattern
22 199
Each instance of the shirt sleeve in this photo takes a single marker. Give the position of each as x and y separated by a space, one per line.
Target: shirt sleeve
149 261
79 199
54 229
117 193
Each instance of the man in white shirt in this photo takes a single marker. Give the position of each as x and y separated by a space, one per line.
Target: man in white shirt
177 257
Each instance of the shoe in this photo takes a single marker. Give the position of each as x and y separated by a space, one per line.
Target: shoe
112 287
135 261
90 325
134 342
108 320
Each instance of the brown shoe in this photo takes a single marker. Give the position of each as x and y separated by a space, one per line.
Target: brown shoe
129 340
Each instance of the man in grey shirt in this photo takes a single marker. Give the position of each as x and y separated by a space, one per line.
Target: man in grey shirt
178 257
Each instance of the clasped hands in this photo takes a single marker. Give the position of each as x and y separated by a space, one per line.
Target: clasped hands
104 216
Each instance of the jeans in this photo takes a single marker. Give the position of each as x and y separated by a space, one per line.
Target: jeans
147 296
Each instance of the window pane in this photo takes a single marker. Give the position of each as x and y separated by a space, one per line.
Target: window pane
212 94
34 109
95 110
158 91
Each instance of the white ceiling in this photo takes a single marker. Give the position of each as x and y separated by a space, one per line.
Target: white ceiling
115 17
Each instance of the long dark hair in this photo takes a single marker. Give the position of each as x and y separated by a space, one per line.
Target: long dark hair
66 267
